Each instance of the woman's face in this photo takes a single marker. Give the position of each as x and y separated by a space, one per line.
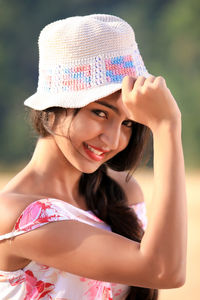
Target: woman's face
95 134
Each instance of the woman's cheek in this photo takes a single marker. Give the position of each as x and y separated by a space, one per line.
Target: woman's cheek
86 128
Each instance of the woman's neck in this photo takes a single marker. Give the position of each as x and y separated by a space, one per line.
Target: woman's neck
48 160
49 174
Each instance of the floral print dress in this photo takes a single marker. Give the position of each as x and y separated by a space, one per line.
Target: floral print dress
37 281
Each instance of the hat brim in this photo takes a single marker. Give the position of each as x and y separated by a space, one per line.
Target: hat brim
41 101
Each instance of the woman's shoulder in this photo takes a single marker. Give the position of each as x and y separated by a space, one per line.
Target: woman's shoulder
11 206
131 188
15 196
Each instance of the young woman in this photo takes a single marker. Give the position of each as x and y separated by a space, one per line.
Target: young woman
71 226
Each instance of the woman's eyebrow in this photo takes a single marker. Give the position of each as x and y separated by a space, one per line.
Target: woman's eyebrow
114 108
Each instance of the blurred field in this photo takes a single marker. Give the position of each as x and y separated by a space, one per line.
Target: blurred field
190 291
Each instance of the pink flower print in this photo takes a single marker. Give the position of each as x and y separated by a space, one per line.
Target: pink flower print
98 290
38 212
83 279
116 291
17 280
44 267
44 288
36 289
107 295
30 284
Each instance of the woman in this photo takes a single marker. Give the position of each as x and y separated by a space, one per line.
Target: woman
71 226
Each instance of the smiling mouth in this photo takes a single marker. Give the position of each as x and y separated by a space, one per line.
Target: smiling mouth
93 153
94 150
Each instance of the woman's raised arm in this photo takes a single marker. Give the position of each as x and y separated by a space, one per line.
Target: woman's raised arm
150 102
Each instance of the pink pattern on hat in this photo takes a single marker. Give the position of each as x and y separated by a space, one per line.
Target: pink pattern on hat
65 78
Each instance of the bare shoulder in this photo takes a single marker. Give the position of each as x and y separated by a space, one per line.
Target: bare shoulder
11 206
131 188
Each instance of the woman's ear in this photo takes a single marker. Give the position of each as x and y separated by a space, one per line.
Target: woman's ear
51 118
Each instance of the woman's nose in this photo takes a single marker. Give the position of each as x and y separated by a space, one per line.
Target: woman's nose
111 137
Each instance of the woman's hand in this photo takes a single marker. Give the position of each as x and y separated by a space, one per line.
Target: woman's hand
149 101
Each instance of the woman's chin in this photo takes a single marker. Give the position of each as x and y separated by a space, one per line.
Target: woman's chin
88 168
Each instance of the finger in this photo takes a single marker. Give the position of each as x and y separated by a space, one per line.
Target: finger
160 80
140 81
128 84
151 78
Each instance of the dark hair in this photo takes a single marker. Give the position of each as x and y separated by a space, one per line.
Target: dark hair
104 196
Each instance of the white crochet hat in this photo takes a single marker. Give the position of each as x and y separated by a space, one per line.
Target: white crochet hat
83 59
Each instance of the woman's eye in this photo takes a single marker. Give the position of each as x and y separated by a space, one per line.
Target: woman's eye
100 113
128 123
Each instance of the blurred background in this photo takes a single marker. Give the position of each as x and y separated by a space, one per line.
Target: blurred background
167 32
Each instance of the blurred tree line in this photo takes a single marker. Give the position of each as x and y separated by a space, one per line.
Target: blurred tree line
167 32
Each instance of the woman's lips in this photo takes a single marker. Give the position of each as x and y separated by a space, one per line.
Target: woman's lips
93 152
